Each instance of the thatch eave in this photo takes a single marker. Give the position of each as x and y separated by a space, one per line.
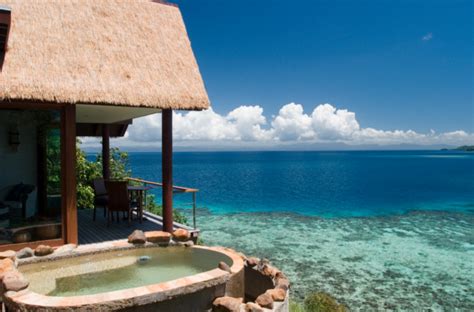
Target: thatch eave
109 52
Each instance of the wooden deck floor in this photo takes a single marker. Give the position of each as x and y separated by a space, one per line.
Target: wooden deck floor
97 231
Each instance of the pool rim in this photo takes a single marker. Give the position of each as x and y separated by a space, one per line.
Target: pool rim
128 297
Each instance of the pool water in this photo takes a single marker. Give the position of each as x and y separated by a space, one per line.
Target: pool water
104 272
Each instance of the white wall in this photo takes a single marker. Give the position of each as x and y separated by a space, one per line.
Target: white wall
19 166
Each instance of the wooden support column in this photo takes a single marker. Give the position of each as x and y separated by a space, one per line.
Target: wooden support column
105 152
167 168
68 174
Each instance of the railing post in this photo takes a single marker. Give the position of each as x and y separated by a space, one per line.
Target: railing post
194 210
145 199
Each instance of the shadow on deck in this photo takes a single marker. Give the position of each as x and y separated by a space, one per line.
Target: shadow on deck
97 231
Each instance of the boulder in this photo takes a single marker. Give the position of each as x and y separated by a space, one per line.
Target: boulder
227 304
279 275
282 283
14 281
224 267
265 300
277 294
158 237
181 235
8 254
65 249
189 243
263 262
253 307
268 270
137 238
252 261
43 250
6 265
26 252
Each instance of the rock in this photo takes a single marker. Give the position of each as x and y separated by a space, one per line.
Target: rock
265 300
14 281
26 252
227 304
181 235
224 267
268 270
263 262
279 275
253 307
43 250
189 243
277 294
158 237
252 261
8 254
137 238
6 265
65 249
282 283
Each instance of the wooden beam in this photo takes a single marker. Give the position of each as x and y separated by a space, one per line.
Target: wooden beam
106 152
68 174
167 168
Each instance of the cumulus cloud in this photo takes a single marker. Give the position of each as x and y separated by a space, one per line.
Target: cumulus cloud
248 125
292 124
333 124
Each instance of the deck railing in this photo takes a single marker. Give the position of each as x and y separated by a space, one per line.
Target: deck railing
176 189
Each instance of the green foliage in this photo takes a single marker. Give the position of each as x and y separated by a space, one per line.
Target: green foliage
53 161
322 302
86 171
153 207
296 307
119 164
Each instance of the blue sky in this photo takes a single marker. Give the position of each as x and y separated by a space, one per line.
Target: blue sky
366 56
334 74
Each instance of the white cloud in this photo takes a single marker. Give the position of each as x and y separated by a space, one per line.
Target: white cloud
247 125
291 124
248 122
427 37
331 124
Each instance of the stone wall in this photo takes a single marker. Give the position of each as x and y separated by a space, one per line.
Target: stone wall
265 289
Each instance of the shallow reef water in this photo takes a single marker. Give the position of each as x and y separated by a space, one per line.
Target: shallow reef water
419 261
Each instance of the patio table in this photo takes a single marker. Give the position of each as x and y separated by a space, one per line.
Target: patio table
138 191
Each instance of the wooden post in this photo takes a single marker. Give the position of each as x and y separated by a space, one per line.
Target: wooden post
68 174
167 168
105 152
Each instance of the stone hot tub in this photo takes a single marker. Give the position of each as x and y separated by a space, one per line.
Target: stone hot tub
148 272
120 276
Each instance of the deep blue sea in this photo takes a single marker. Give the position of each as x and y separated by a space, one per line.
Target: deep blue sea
325 184
378 230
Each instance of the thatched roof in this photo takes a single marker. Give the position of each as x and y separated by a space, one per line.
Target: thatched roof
117 52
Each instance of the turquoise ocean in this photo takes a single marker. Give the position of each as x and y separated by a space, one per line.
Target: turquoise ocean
378 230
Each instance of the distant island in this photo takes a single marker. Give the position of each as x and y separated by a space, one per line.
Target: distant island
465 148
